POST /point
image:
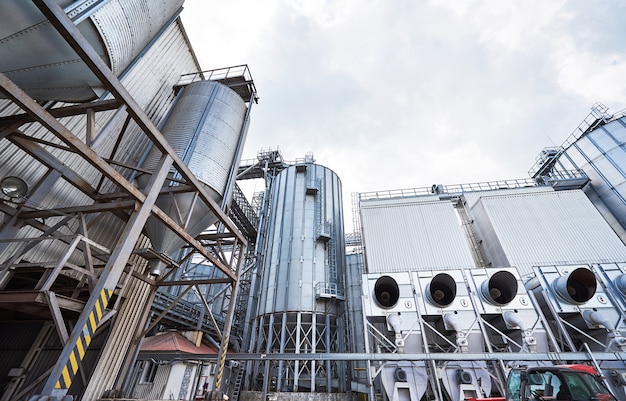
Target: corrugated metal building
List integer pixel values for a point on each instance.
(526, 229)
(74, 258)
(464, 281)
(412, 234)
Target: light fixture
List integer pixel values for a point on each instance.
(14, 187)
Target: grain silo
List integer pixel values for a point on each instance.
(206, 128)
(84, 297)
(595, 148)
(301, 284)
(37, 58)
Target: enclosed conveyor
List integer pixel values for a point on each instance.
(39, 60)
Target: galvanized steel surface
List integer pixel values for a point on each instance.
(204, 128)
(601, 154)
(150, 82)
(411, 234)
(304, 253)
(531, 229)
(39, 60)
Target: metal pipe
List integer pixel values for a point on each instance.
(514, 320)
(598, 318)
(386, 291)
(620, 283)
(500, 289)
(441, 291)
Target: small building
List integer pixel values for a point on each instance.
(168, 368)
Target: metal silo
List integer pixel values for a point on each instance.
(301, 285)
(205, 128)
(596, 147)
(37, 58)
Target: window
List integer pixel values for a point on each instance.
(150, 371)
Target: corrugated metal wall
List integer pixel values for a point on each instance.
(545, 228)
(410, 234)
(150, 82)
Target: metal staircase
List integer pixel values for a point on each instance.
(238, 382)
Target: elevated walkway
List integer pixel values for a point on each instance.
(237, 78)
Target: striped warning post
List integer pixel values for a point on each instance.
(220, 363)
(71, 367)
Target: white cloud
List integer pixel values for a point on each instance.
(406, 94)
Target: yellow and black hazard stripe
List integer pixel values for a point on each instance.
(220, 363)
(83, 341)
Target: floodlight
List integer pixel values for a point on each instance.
(14, 187)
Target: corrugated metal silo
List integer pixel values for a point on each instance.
(204, 128)
(600, 154)
(35, 56)
(299, 308)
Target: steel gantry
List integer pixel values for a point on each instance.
(90, 277)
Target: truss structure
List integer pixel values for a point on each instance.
(82, 277)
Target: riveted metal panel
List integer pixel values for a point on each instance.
(412, 234)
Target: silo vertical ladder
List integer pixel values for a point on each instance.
(238, 382)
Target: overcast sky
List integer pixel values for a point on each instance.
(402, 93)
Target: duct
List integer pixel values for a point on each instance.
(620, 283)
(577, 287)
(596, 319)
(386, 292)
(514, 320)
(499, 289)
(441, 291)
(395, 322)
(452, 322)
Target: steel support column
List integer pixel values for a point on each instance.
(64, 370)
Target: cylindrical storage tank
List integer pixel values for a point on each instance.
(302, 286)
(35, 56)
(204, 128)
(600, 154)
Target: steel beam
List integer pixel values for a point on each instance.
(72, 35)
(63, 372)
(382, 357)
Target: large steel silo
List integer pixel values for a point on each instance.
(35, 56)
(205, 128)
(301, 286)
(597, 148)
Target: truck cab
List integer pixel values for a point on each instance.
(556, 383)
